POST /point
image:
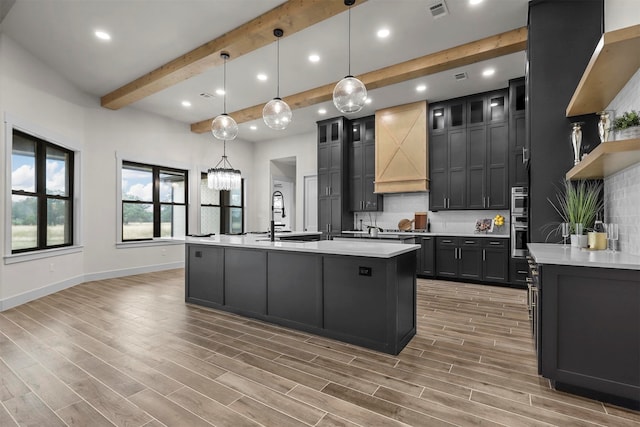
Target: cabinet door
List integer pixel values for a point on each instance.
(476, 111)
(372, 201)
(456, 114)
(427, 257)
(355, 304)
(518, 272)
(205, 281)
(245, 279)
(476, 173)
(495, 255)
(447, 257)
(498, 107)
(518, 169)
(497, 157)
(324, 214)
(356, 195)
(335, 225)
(438, 171)
(457, 156)
(470, 259)
(437, 119)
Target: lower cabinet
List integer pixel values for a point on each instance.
(426, 257)
(479, 259)
(245, 279)
(518, 272)
(204, 271)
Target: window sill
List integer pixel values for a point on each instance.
(47, 253)
(154, 242)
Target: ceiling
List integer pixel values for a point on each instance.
(147, 34)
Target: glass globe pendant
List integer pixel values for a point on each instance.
(224, 127)
(350, 94)
(277, 113)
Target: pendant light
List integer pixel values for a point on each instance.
(350, 94)
(223, 126)
(276, 113)
(223, 176)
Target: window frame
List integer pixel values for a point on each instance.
(157, 204)
(58, 141)
(224, 206)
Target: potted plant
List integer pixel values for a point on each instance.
(579, 202)
(627, 126)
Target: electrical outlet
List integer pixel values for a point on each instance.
(164, 252)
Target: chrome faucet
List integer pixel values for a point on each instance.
(273, 209)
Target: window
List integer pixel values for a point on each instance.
(221, 212)
(154, 202)
(41, 194)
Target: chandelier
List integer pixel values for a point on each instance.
(223, 176)
(223, 126)
(350, 94)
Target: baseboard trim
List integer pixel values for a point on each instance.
(16, 300)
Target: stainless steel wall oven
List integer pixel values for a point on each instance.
(519, 221)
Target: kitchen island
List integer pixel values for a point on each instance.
(586, 313)
(358, 292)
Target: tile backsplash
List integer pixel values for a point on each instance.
(404, 205)
(622, 190)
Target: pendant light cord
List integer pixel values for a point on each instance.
(349, 40)
(224, 86)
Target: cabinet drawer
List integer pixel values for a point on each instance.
(447, 242)
(495, 243)
(465, 241)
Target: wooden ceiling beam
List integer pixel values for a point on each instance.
(469, 53)
(292, 16)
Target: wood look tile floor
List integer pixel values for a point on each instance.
(130, 352)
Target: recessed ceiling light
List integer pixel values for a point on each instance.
(314, 58)
(488, 72)
(383, 33)
(102, 35)
(421, 88)
(474, 2)
(220, 92)
(186, 104)
(262, 77)
(367, 101)
(253, 127)
(322, 111)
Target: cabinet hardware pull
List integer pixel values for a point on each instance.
(488, 201)
(494, 243)
(444, 201)
(484, 255)
(446, 241)
(468, 242)
(529, 280)
(522, 272)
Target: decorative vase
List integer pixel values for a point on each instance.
(576, 141)
(579, 240)
(604, 125)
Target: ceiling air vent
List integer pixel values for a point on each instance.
(207, 95)
(438, 9)
(460, 76)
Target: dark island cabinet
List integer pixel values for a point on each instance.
(482, 259)
(362, 168)
(333, 184)
(205, 281)
(468, 153)
(246, 288)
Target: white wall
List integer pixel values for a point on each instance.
(620, 14)
(303, 148)
(33, 93)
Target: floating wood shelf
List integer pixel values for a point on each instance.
(615, 60)
(607, 159)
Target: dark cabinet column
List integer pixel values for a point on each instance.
(362, 168)
(518, 173)
(562, 36)
(497, 180)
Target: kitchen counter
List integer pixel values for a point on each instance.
(436, 234)
(330, 247)
(554, 254)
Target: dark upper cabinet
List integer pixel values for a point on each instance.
(362, 168)
(333, 183)
(469, 160)
(518, 174)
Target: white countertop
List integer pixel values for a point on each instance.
(365, 248)
(547, 253)
(437, 234)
